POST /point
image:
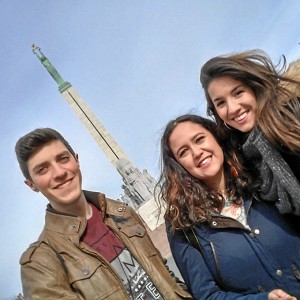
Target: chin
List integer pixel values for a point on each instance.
(69, 196)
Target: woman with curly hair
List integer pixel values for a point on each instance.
(226, 243)
(255, 105)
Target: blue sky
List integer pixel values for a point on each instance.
(136, 64)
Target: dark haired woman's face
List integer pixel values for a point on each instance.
(234, 102)
(198, 152)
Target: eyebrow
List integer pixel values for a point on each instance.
(63, 153)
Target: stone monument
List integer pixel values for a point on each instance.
(138, 187)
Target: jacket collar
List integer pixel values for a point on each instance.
(95, 198)
(70, 224)
(115, 208)
(219, 221)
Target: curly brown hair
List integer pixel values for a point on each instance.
(276, 105)
(188, 200)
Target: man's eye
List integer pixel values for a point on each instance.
(64, 159)
(41, 170)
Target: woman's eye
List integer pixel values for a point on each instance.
(199, 139)
(220, 103)
(239, 92)
(182, 153)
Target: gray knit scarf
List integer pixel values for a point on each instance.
(279, 183)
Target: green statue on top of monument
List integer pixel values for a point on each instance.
(62, 85)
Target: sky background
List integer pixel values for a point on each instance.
(135, 63)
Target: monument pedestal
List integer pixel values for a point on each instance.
(160, 241)
(153, 216)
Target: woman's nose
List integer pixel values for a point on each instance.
(197, 151)
(233, 106)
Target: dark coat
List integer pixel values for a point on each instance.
(239, 262)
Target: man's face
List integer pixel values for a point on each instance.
(56, 174)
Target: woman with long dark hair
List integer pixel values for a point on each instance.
(255, 105)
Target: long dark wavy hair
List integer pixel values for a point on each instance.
(276, 106)
(188, 200)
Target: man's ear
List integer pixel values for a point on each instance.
(77, 158)
(31, 185)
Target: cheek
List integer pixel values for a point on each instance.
(254, 103)
(251, 98)
(73, 167)
(185, 163)
(220, 155)
(41, 182)
(221, 113)
(76, 170)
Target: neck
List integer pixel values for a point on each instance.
(218, 184)
(89, 211)
(80, 208)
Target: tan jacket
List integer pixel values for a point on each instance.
(60, 266)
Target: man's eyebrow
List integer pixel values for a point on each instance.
(63, 153)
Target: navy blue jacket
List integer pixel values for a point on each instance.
(238, 262)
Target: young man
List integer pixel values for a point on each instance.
(91, 247)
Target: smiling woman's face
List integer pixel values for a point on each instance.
(198, 152)
(234, 102)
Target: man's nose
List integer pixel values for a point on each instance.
(58, 170)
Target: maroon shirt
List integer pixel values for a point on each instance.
(99, 237)
(135, 280)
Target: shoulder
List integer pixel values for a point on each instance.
(38, 251)
(108, 205)
(114, 202)
(115, 207)
(177, 237)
